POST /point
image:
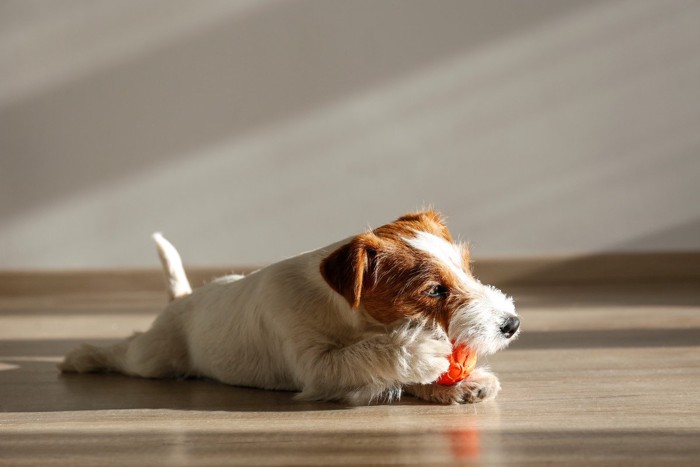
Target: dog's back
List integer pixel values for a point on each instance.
(234, 329)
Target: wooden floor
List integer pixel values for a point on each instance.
(600, 375)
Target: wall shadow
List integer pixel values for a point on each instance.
(682, 235)
(245, 73)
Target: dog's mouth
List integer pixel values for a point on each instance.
(487, 323)
(485, 338)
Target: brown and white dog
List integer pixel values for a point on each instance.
(360, 321)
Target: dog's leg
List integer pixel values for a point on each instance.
(481, 385)
(375, 368)
(90, 359)
(160, 352)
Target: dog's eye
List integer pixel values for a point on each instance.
(437, 291)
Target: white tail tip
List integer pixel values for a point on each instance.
(176, 279)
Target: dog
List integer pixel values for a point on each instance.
(360, 321)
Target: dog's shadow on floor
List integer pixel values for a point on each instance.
(31, 382)
(123, 392)
(39, 387)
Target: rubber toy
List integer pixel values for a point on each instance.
(462, 362)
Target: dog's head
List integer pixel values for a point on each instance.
(412, 269)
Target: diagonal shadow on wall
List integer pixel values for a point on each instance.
(246, 73)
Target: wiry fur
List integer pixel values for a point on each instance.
(349, 322)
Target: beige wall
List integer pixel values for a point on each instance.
(249, 131)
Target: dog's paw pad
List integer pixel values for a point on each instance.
(480, 386)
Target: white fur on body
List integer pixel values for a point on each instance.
(283, 327)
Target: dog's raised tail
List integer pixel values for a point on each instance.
(175, 277)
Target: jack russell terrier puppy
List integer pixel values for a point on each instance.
(359, 321)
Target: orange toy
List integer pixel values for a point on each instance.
(462, 362)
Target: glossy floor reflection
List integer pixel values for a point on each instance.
(597, 377)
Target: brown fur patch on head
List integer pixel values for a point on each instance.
(426, 221)
(391, 279)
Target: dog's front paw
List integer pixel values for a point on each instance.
(422, 354)
(481, 385)
(438, 393)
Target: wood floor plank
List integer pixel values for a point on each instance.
(599, 376)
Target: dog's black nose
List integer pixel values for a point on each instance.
(510, 327)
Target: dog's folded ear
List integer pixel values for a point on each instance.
(346, 269)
